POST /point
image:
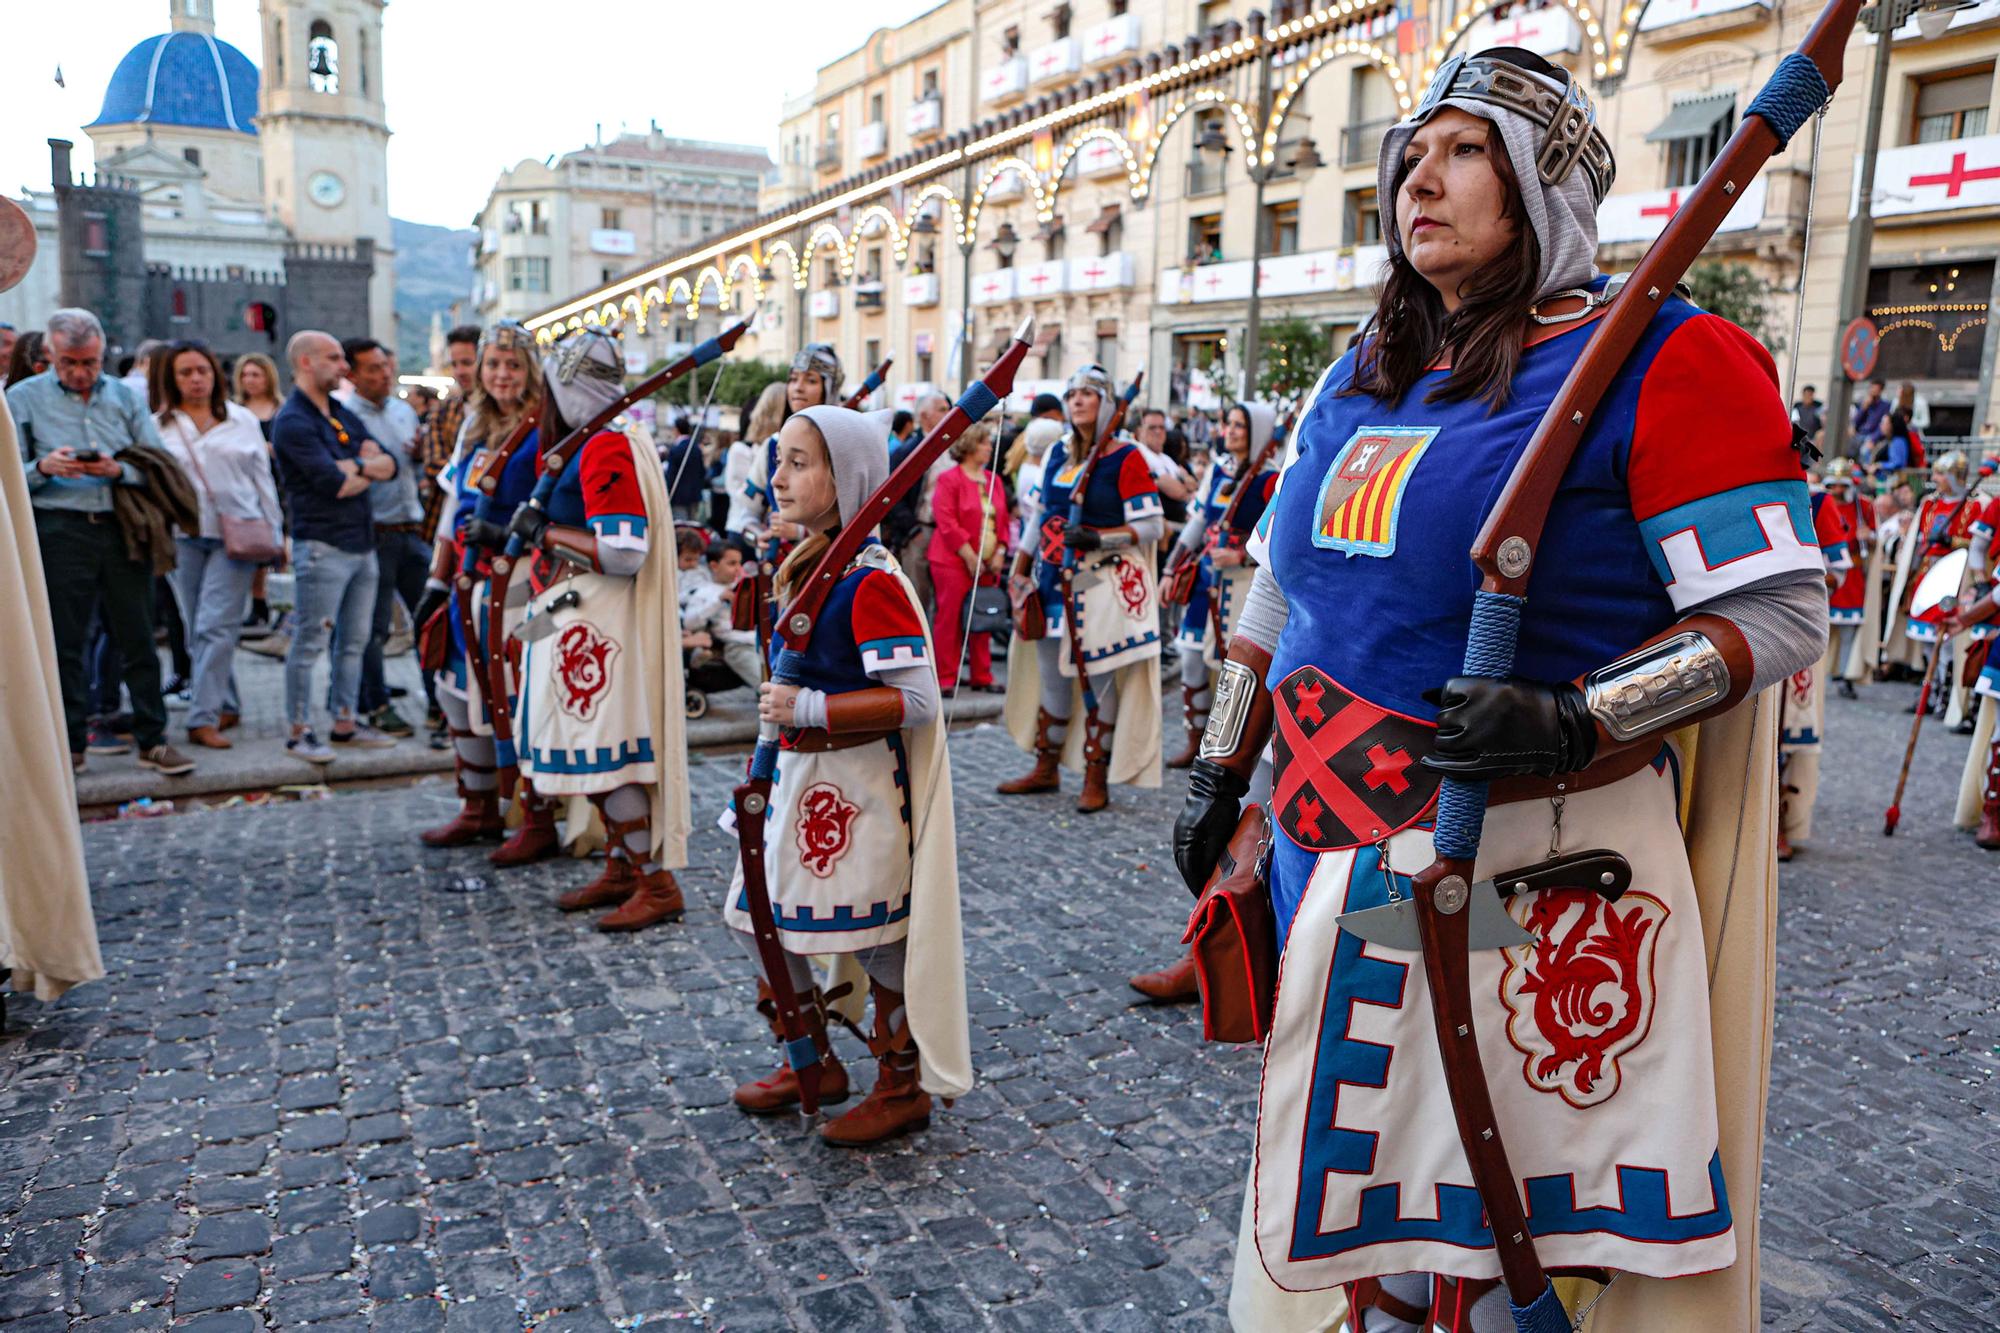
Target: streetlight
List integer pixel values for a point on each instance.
(1881, 18)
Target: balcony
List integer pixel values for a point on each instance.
(868, 294)
(1205, 178)
(1111, 39)
(823, 305)
(1049, 278)
(920, 289)
(871, 140)
(1058, 60)
(828, 158)
(1546, 32)
(1004, 81)
(995, 287)
(1642, 215)
(925, 117)
(611, 241)
(1101, 273)
(1283, 275)
(1361, 143)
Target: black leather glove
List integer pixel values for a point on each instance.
(432, 602)
(529, 524)
(1079, 538)
(485, 534)
(1214, 806)
(1490, 728)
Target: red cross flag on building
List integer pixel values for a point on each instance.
(1935, 177)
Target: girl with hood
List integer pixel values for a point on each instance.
(1116, 600)
(860, 854)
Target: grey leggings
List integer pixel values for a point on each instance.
(883, 964)
(1056, 686)
(476, 754)
(626, 804)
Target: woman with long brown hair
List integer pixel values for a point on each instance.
(218, 445)
(508, 393)
(1677, 577)
(253, 382)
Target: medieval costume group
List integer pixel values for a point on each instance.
(1619, 1018)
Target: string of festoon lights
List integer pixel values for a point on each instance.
(1002, 159)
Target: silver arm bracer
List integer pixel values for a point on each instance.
(1228, 710)
(1651, 689)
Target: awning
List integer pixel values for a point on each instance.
(1695, 118)
(1104, 220)
(1052, 228)
(1047, 334)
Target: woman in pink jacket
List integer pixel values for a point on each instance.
(970, 508)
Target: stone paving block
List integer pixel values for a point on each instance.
(394, 1274)
(217, 1283)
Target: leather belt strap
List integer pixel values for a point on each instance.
(1613, 768)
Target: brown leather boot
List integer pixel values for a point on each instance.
(657, 899)
(618, 882)
(779, 1090)
(1046, 775)
(536, 839)
(1170, 985)
(478, 817)
(1196, 724)
(210, 738)
(1096, 768)
(1989, 812)
(896, 1105)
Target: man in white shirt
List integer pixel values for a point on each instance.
(402, 556)
(705, 614)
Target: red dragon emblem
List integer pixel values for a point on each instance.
(1802, 687)
(583, 669)
(1582, 995)
(1131, 587)
(825, 818)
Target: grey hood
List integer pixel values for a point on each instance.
(857, 447)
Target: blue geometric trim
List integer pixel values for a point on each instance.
(1124, 645)
(619, 525)
(603, 759)
(843, 918)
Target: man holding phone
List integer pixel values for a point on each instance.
(73, 420)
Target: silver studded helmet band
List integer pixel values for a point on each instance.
(1570, 137)
(820, 359)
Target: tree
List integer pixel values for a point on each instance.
(1739, 295)
(1295, 351)
(741, 382)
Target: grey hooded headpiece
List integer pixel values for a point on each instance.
(823, 361)
(1098, 380)
(1558, 154)
(586, 373)
(1263, 421)
(857, 449)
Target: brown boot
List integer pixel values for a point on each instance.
(896, 1105)
(210, 738)
(1096, 768)
(1197, 723)
(227, 721)
(779, 1090)
(657, 899)
(536, 839)
(1170, 985)
(1989, 812)
(478, 818)
(1046, 775)
(618, 882)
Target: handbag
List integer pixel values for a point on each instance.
(434, 640)
(1180, 581)
(1031, 622)
(252, 540)
(1235, 938)
(992, 610)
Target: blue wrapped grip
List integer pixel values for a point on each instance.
(707, 351)
(978, 400)
(802, 1055)
(1489, 651)
(1797, 89)
(764, 762)
(1544, 1315)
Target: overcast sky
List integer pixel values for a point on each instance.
(472, 89)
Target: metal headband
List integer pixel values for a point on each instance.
(1092, 377)
(821, 359)
(1570, 137)
(509, 336)
(1649, 690)
(573, 357)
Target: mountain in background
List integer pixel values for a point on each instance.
(433, 270)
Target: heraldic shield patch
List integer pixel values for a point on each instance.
(1347, 771)
(1361, 499)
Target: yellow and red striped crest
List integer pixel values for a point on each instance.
(1362, 497)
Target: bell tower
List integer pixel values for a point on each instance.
(325, 133)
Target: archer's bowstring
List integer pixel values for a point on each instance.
(1805, 252)
(694, 439)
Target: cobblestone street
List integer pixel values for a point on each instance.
(337, 1080)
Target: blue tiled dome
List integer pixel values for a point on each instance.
(183, 78)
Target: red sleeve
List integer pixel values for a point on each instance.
(613, 503)
(1134, 477)
(1000, 515)
(1716, 487)
(887, 628)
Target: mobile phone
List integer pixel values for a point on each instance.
(89, 455)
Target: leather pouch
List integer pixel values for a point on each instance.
(1235, 938)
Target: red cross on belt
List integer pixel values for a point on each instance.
(1313, 755)
(1386, 769)
(1956, 178)
(1666, 210)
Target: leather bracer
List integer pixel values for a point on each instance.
(576, 546)
(878, 708)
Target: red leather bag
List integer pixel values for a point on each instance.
(1031, 623)
(1235, 938)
